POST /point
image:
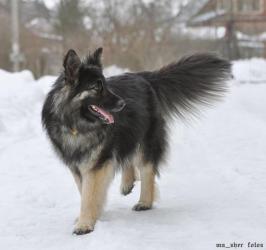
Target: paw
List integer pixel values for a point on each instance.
(126, 189)
(141, 206)
(83, 228)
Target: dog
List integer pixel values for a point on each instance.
(99, 125)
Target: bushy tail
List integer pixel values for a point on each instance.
(193, 80)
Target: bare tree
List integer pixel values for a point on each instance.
(69, 22)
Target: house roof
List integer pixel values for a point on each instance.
(207, 16)
(191, 9)
(28, 10)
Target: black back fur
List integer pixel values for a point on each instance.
(133, 106)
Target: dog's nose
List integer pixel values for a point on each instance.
(119, 106)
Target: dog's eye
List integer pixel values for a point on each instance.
(97, 86)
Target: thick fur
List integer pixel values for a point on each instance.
(182, 86)
(140, 103)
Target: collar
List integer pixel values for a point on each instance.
(73, 131)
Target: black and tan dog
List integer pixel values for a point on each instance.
(98, 124)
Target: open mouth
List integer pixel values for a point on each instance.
(102, 114)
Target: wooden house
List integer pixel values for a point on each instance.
(243, 20)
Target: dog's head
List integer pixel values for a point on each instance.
(88, 88)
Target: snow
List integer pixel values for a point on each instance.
(251, 44)
(113, 70)
(212, 188)
(51, 3)
(255, 38)
(190, 9)
(40, 25)
(219, 32)
(202, 32)
(207, 16)
(250, 70)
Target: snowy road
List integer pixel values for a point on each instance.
(212, 189)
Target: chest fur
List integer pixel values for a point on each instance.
(75, 148)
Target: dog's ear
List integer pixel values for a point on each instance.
(71, 64)
(97, 57)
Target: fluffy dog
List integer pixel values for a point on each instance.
(98, 125)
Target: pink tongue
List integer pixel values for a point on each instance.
(107, 115)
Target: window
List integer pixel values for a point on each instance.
(249, 5)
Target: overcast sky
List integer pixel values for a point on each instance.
(51, 3)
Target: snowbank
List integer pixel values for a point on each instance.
(113, 70)
(19, 97)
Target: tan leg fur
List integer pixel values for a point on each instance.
(77, 179)
(93, 193)
(127, 180)
(147, 178)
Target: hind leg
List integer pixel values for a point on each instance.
(127, 180)
(153, 149)
(147, 178)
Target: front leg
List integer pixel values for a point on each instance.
(77, 177)
(93, 193)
